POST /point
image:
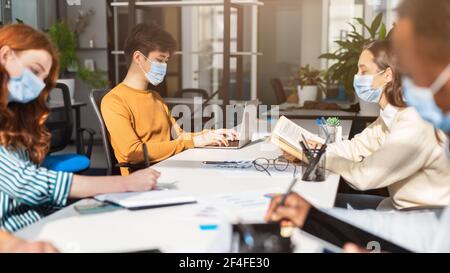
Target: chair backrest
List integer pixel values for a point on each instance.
(191, 93)
(95, 98)
(278, 88)
(60, 122)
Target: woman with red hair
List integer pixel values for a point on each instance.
(28, 192)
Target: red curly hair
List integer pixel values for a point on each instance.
(22, 126)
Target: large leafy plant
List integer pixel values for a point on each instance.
(347, 56)
(66, 42)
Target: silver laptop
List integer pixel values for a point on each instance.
(245, 129)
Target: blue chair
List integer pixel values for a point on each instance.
(60, 124)
(73, 163)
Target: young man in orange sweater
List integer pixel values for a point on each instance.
(135, 115)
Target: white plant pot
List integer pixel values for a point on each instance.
(56, 97)
(307, 93)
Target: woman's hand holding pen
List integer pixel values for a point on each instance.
(142, 180)
(16, 245)
(292, 213)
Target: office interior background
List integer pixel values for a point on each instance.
(269, 41)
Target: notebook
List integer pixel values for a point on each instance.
(150, 199)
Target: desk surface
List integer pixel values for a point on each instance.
(176, 229)
(368, 111)
(190, 101)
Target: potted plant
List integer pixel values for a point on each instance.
(66, 42)
(309, 82)
(346, 57)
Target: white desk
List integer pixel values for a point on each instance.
(292, 111)
(175, 229)
(191, 101)
(369, 112)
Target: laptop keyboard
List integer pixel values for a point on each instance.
(231, 143)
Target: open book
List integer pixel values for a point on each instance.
(287, 136)
(149, 199)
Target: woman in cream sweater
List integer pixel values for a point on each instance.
(399, 150)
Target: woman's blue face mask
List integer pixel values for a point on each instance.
(26, 87)
(363, 85)
(422, 99)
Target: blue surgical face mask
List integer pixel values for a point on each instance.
(157, 71)
(422, 99)
(25, 88)
(363, 85)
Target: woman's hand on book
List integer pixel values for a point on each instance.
(291, 158)
(314, 145)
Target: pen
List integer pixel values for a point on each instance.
(324, 122)
(324, 126)
(288, 192)
(213, 162)
(313, 163)
(219, 162)
(146, 160)
(306, 142)
(305, 150)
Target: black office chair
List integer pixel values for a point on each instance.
(60, 125)
(278, 88)
(192, 93)
(113, 167)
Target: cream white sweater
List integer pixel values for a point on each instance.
(405, 156)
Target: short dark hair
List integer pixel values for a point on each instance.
(384, 58)
(431, 21)
(147, 38)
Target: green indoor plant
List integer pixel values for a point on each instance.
(309, 76)
(309, 82)
(66, 42)
(346, 57)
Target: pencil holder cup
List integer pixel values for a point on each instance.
(335, 133)
(318, 174)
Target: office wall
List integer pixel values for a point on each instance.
(96, 30)
(311, 32)
(37, 13)
(25, 10)
(290, 34)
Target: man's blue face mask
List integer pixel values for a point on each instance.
(157, 71)
(26, 87)
(422, 99)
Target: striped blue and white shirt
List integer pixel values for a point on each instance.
(28, 192)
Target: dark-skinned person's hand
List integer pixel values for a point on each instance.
(292, 214)
(353, 248)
